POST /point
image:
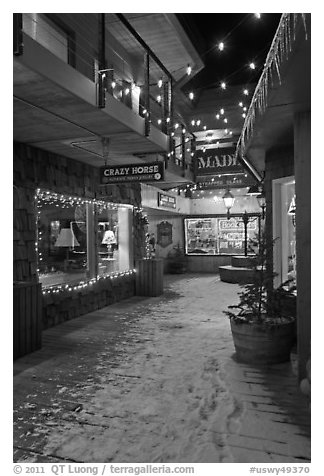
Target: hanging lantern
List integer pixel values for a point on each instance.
(262, 203)
(228, 201)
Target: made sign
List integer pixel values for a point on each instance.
(217, 161)
(166, 200)
(148, 172)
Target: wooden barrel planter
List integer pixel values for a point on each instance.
(258, 344)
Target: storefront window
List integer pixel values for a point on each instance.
(214, 236)
(79, 240)
(284, 210)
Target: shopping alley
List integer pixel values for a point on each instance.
(162, 237)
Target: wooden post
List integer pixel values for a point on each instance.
(302, 159)
(149, 277)
(27, 318)
(147, 93)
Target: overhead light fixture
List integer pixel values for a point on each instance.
(255, 189)
(262, 203)
(228, 201)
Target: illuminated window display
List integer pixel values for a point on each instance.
(215, 236)
(79, 240)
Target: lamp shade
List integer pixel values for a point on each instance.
(228, 199)
(109, 238)
(66, 238)
(292, 206)
(261, 200)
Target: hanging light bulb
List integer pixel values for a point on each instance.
(189, 69)
(223, 85)
(244, 109)
(252, 65)
(183, 131)
(257, 15)
(198, 122)
(159, 121)
(222, 111)
(176, 125)
(205, 127)
(225, 120)
(193, 122)
(240, 104)
(246, 92)
(158, 98)
(160, 82)
(221, 46)
(127, 91)
(113, 84)
(217, 116)
(191, 95)
(244, 115)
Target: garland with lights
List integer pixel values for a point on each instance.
(279, 51)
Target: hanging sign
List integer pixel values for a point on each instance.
(224, 181)
(141, 172)
(217, 161)
(166, 201)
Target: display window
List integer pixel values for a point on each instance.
(218, 235)
(78, 240)
(284, 232)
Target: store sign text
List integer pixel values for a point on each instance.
(151, 172)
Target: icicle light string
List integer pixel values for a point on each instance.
(281, 46)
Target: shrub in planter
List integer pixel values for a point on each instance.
(177, 261)
(263, 323)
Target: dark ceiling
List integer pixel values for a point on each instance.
(246, 38)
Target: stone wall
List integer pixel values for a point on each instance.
(35, 168)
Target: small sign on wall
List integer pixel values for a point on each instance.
(164, 234)
(141, 172)
(167, 201)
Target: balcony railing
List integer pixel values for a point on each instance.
(107, 50)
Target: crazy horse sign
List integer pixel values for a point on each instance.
(217, 161)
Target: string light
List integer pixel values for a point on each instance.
(222, 111)
(158, 98)
(225, 120)
(244, 115)
(198, 122)
(193, 122)
(176, 126)
(240, 104)
(217, 116)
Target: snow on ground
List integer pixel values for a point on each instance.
(163, 402)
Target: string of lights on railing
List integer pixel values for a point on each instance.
(280, 48)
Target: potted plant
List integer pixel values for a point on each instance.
(263, 323)
(177, 261)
